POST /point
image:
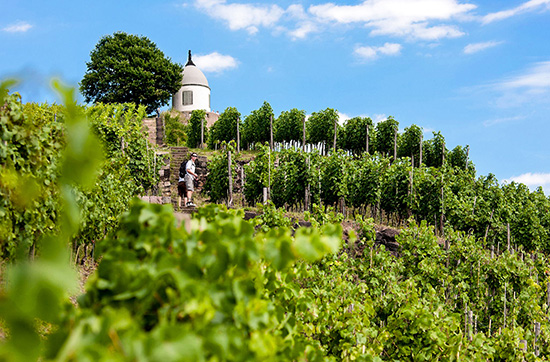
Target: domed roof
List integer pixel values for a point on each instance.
(193, 75)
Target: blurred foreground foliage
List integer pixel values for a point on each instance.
(34, 160)
(226, 289)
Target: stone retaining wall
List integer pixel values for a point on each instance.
(155, 130)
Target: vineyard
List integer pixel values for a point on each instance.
(470, 280)
(447, 197)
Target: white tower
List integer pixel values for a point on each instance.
(194, 92)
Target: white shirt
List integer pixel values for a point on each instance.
(190, 166)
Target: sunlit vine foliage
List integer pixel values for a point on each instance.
(33, 137)
(449, 196)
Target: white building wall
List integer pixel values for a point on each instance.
(201, 98)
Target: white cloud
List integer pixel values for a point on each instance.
(19, 27)
(532, 86)
(342, 118)
(215, 62)
(477, 47)
(242, 16)
(398, 17)
(428, 131)
(492, 122)
(371, 53)
(537, 79)
(303, 30)
(377, 118)
(402, 10)
(533, 180)
(304, 24)
(530, 5)
(414, 19)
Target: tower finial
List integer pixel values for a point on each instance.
(189, 61)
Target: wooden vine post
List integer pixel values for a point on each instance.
(471, 324)
(230, 193)
(489, 225)
(265, 195)
(307, 190)
(304, 135)
(271, 132)
(395, 146)
(442, 218)
(122, 145)
(523, 345)
(505, 305)
(410, 190)
(420, 160)
(466, 331)
(508, 237)
(202, 132)
(335, 130)
(241, 169)
(367, 139)
(238, 135)
(147, 156)
(269, 175)
(537, 334)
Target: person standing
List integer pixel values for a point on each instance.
(189, 177)
(182, 190)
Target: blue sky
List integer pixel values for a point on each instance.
(478, 71)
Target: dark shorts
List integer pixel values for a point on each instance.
(181, 188)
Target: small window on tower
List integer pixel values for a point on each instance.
(187, 98)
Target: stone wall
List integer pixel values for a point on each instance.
(211, 118)
(155, 130)
(165, 183)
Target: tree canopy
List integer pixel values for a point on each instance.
(126, 68)
(256, 126)
(289, 126)
(409, 143)
(194, 128)
(434, 150)
(353, 136)
(225, 128)
(385, 136)
(320, 126)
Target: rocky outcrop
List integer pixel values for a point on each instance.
(386, 237)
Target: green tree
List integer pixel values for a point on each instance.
(320, 126)
(458, 157)
(225, 128)
(257, 125)
(433, 150)
(125, 68)
(333, 170)
(175, 130)
(409, 143)
(385, 136)
(289, 125)
(194, 128)
(257, 174)
(217, 183)
(290, 178)
(353, 136)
